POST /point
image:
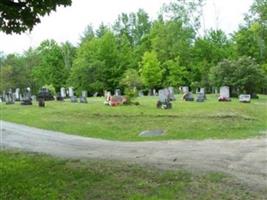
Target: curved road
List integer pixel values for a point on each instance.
(244, 159)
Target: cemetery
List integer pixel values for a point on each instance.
(176, 117)
(165, 102)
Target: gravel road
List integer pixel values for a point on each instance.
(244, 159)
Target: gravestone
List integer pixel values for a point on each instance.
(4, 96)
(26, 99)
(45, 94)
(84, 93)
(244, 98)
(188, 96)
(95, 94)
(9, 98)
(164, 99)
(63, 92)
(140, 93)
(224, 94)
(200, 97)
(73, 99)
(202, 90)
(83, 98)
(171, 92)
(41, 102)
(151, 133)
(154, 92)
(59, 97)
(17, 94)
(117, 92)
(185, 89)
(71, 92)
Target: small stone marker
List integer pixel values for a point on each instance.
(17, 94)
(185, 89)
(151, 133)
(27, 98)
(95, 94)
(83, 99)
(62, 92)
(117, 92)
(140, 93)
(41, 102)
(200, 97)
(188, 96)
(71, 92)
(9, 98)
(171, 92)
(245, 98)
(73, 99)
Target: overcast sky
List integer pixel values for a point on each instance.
(67, 24)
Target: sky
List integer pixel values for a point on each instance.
(68, 23)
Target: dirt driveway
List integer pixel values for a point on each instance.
(244, 159)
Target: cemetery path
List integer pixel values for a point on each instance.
(245, 159)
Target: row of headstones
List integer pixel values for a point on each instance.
(10, 97)
(167, 95)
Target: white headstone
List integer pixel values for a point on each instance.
(17, 94)
(225, 92)
(62, 92)
(84, 93)
(117, 92)
(185, 89)
(71, 92)
(245, 98)
(202, 90)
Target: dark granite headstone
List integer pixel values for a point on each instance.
(83, 99)
(41, 102)
(188, 96)
(200, 97)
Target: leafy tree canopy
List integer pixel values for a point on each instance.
(18, 16)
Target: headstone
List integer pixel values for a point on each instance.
(17, 94)
(245, 98)
(59, 97)
(116, 100)
(95, 94)
(151, 133)
(200, 97)
(224, 93)
(9, 98)
(73, 99)
(188, 96)
(117, 92)
(171, 92)
(155, 92)
(84, 93)
(45, 94)
(185, 89)
(140, 93)
(71, 92)
(164, 99)
(26, 99)
(62, 92)
(202, 90)
(33, 98)
(41, 102)
(83, 99)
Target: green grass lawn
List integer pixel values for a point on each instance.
(187, 120)
(33, 176)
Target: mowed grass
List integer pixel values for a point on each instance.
(187, 120)
(33, 176)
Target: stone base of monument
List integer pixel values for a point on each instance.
(164, 105)
(60, 98)
(83, 100)
(224, 99)
(26, 102)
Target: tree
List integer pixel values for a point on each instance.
(244, 75)
(131, 81)
(151, 73)
(173, 73)
(22, 15)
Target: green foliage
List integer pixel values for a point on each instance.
(151, 72)
(243, 74)
(51, 88)
(20, 16)
(131, 81)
